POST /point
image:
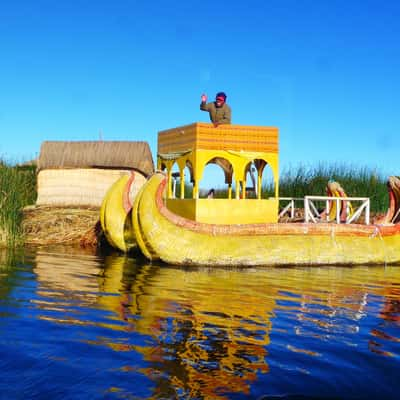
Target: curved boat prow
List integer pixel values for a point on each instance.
(334, 189)
(115, 214)
(393, 213)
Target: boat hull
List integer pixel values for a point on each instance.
(175, 240)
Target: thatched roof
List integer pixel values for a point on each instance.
(96, 154)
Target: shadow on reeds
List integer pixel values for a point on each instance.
(17, 189)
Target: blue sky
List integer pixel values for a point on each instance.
(326, 72)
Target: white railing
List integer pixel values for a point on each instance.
(311, 213)
(289, 208)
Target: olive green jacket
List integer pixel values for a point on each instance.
(220, 115)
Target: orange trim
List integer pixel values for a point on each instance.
(126, 202)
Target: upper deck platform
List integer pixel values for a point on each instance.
(204, 136)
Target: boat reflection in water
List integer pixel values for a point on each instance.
(210, 333)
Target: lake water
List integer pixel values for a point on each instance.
(78, 325)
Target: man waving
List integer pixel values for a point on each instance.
(220, 112)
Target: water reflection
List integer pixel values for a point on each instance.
(211, 333)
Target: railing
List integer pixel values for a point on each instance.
(290, 206)
(311, 213)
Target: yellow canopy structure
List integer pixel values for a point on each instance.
(235, 148)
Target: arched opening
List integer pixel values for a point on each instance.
(251, 180)
(266, 176)
(175, 181)
(217, 179)
(188, 180)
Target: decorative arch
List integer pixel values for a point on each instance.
(223, 165)
(256, 170)
(189, 166)
(226, 166)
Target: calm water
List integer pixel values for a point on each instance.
(74, 325)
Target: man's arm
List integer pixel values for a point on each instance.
(204, 106)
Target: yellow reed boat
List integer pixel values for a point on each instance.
(243, 229)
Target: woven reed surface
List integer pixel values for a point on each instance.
(52, 225)
(96, 154)
(224, 137)
(78, 187)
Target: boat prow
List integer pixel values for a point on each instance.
(115, 214)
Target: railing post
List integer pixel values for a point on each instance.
(306, 209)
(337, 211)
(327, 208)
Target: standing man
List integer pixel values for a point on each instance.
(220, 112)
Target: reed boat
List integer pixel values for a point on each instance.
(243, 229)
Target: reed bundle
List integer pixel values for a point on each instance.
(78, 187)
(54, 225)
(80, 173)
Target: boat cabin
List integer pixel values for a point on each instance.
(239, 150)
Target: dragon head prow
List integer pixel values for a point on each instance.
(393, 213)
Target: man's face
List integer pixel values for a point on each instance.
(219, 101)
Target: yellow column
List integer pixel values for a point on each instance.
(244, 180)
(182, 178)
(169, 184)
(229, 191)
(195, 190)
(237, 194)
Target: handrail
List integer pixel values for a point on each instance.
(289, 206)
(311, 212)
(308, 204)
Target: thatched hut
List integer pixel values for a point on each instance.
(80, 173)
(72, 180)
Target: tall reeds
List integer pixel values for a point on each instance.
(356, 181)
(17, 189)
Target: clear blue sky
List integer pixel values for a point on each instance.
(326, 72)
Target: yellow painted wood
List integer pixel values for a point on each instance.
(204, 136)
(226, 211)
(268, 209)
(199, 144)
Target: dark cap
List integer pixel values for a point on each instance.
(222, 95)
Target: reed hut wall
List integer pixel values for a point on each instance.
(80, 173)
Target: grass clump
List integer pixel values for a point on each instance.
(17, 189)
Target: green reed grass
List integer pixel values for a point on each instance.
(356, 181)
(17, 189)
